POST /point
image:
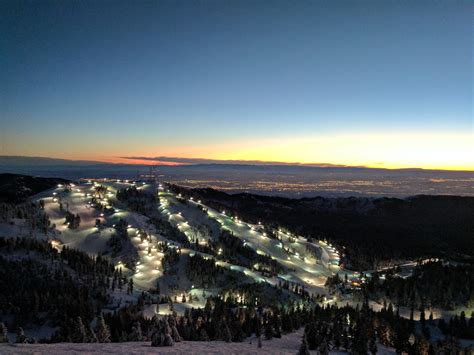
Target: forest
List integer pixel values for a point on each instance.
(74, 293)
(16, 188)
(433, 284)
(43, 286)
(374, 231)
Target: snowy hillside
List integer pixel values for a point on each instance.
(299, 262)
(139, 263)
(288, 344)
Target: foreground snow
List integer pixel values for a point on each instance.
(288, 344)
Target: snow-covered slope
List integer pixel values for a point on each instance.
(196, 221)
(288, 344)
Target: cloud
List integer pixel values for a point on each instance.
(196, 161)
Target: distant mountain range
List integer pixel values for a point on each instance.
(201, 161)
(265, 178)
(16, 161)
(27, 161)
(12, 161)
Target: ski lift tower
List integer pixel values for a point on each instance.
(151, 175)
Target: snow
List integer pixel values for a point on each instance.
(287, 344)
(310, 272)
(299, 265)
(87, 237)
(18, 228)
(194, 223)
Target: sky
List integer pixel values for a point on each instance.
(373, 83)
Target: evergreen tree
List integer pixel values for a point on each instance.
(451, 346)
(102, 331)
(136, 334)
(311, 336)
(426, 333)
(400, 341)
(277, 326)
(92, 337)
(359, 343)
(174, 331)
(203, 336)
(20, 336)
(304, 347)
(390, 309)
(421, 346)
(123, 337)
(346, 343)
(226, 334)
(422, 317)
(412, 321)
(3, 333)
(431, 318)
(337, 338)
(162, 333)
(373, 344)
(323, 347)
(268, 330)
(237, 331)
(130, 286)
(78, 334)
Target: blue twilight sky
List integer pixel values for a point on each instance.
(152, 77)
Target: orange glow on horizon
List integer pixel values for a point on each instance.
(439, 151)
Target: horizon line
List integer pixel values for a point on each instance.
(183, 161)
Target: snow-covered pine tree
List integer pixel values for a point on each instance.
(203, 336)
(268, 330)
(136, 334)
(227, 333)
(152, 328)
(3, 333)
(162, 334)
(123, 337)
(20, 336)
(79, 334)
(323, 347)
(174, 330)
(102, 331)
(92, 336)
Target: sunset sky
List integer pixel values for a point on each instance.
(373, 83)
